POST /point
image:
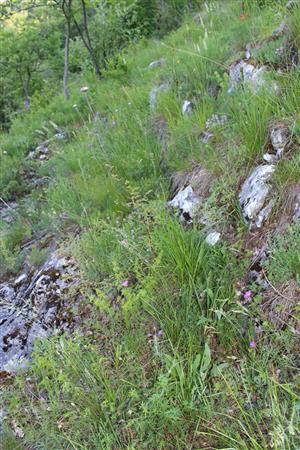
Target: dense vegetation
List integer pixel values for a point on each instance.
(173, 349)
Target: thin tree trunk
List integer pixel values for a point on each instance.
(66, 61)
(67, 13)
(92, 53)
(26, 94)
(86, 39)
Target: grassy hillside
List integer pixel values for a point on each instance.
(175, 345)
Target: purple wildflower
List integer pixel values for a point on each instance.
(248, 295)
(252, 344)
(125, 283)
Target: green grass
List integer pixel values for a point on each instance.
(162, 361)
(284, 262)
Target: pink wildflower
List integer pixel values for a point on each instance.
(248, 295)
(252, 344)
(125, 283)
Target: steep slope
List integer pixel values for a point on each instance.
(150, 237)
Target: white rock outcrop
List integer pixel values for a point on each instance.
(254, 194)
(250, 75)
(187, 107)
(185, 202)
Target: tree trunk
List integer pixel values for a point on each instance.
(88, 39)
(85, 36)
(66, 61)
(67, 13)
(26, 94)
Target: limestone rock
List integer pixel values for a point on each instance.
(21, 279)
(158, 63)
(212, 238)
(269, 158)
(254, 194)
(206, 136)
(189, 189)
(248, 52)
(7, 294)
(164, 87)
(296, 213)
(187, 107)
(264, 214)
(60, 136)
(279, 137)
(34, 307)
(250, 75)
(185, 202)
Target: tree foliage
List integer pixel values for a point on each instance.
(44, 41)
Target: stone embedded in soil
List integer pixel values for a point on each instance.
(158, 63)
(213, 121)
(185, 202)
(164, 87)
(7, 294)
(254, 194)
(187, 107)
(279, 137)
(248, 52)
(212, 238)
(296, 212)
(189, 189)
(206, 136)
(250, 75)
(21, 279)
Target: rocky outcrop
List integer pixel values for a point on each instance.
(185, 203)
(189, 192)
(250, 75)
(34, 306)
(189, 189)
(256, 198)
(254, 194)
